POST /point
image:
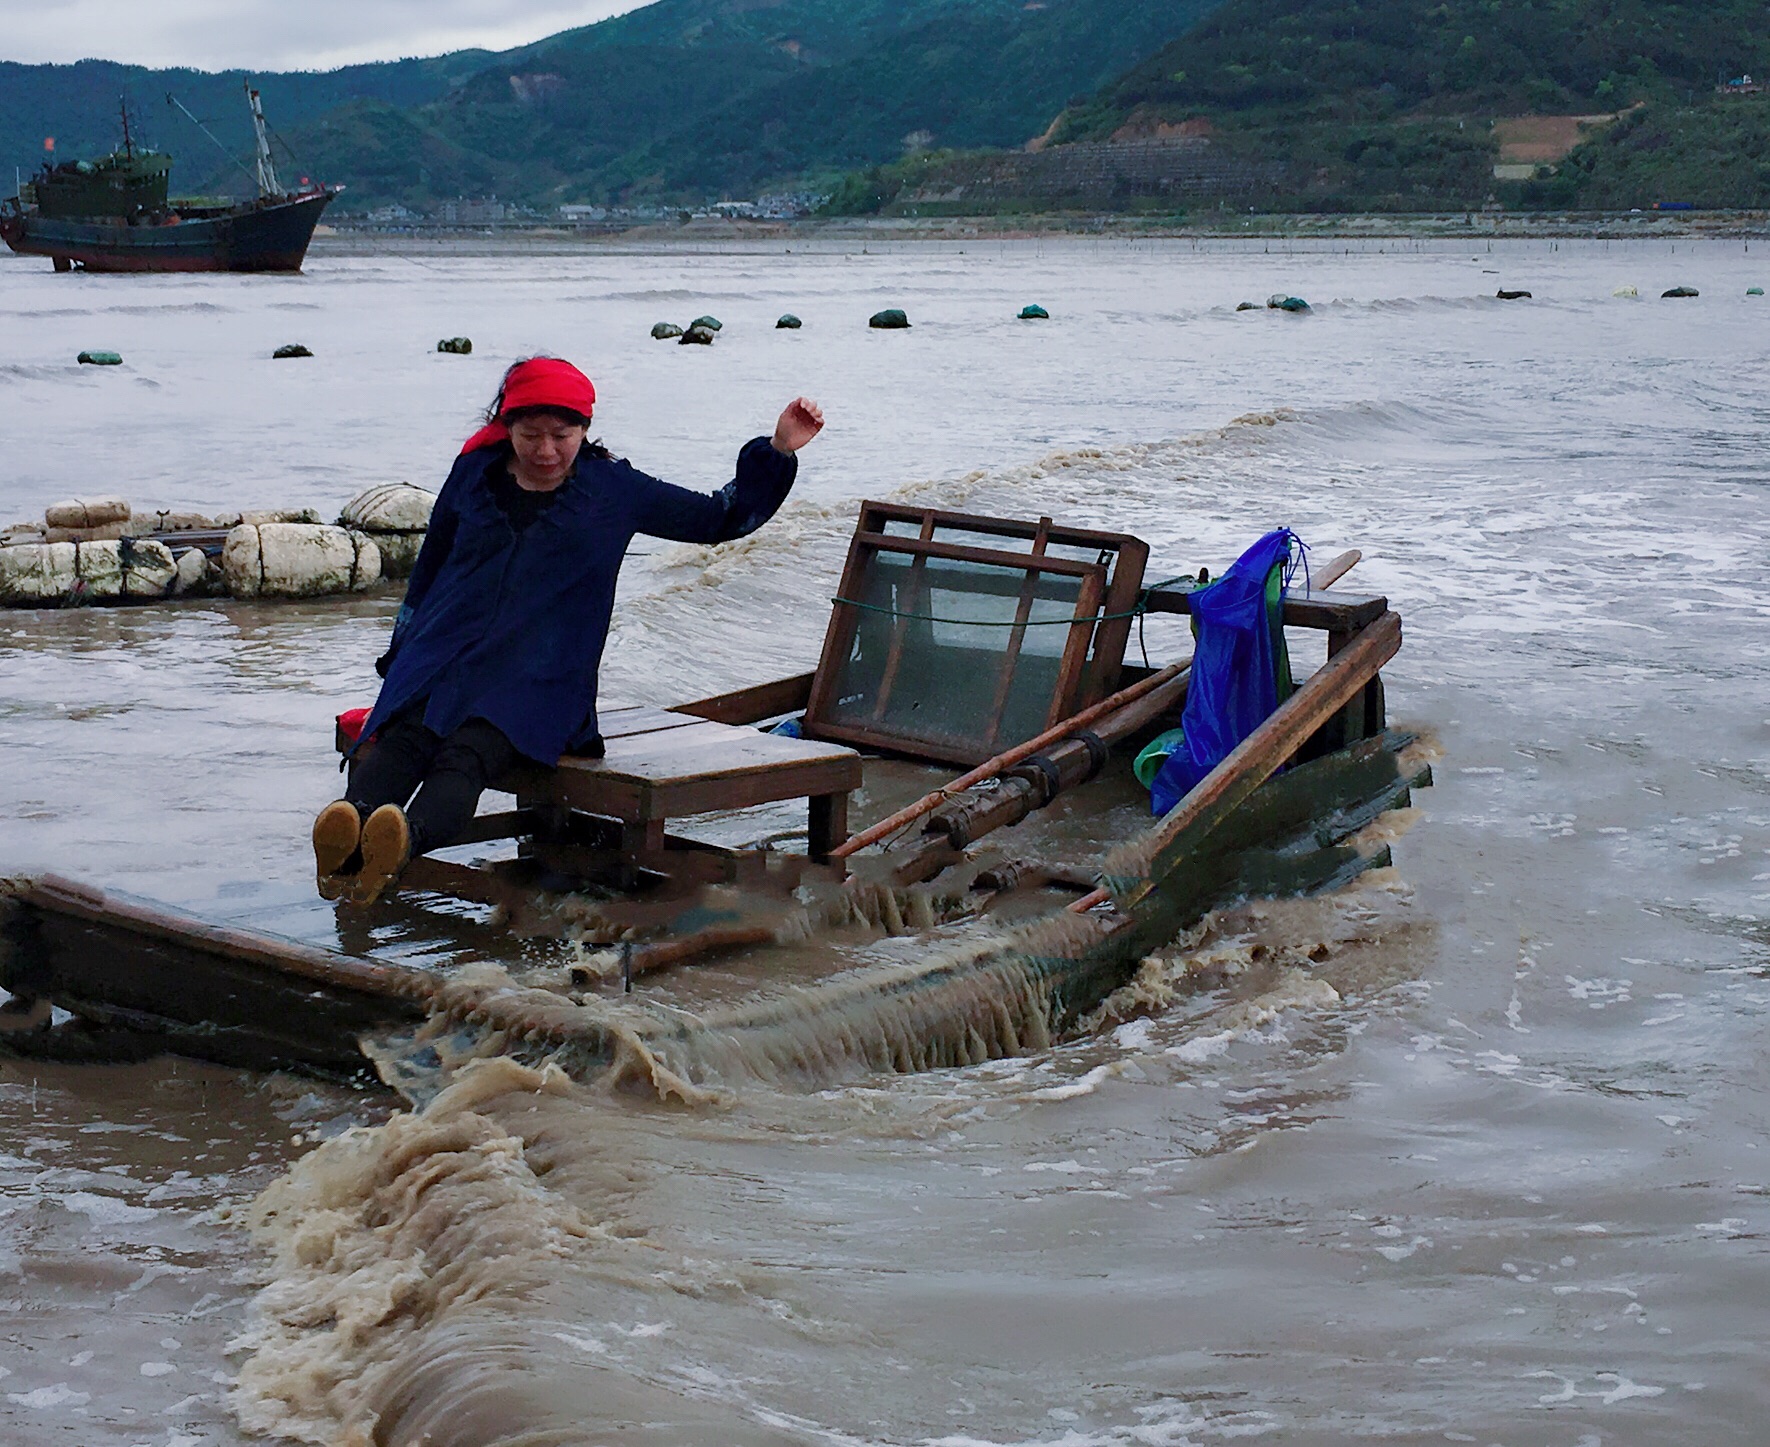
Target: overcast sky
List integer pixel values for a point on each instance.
(279, 34)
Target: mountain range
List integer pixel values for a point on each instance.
(1325, 104)
(679, 100)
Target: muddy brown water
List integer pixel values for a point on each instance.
(1473, 1152)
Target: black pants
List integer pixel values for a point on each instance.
(449, 774)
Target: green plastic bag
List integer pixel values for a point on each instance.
(1155, 754)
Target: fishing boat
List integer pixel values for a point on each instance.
(115, 214)
(614, 919)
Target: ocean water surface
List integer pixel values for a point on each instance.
(1473, 1152)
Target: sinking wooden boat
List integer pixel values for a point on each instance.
(980, 917)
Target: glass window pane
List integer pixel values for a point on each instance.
(929, 660)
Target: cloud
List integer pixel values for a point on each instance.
(277, 35)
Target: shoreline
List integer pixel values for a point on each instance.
(1439, 226)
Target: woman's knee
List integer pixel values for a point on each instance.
(477, 749)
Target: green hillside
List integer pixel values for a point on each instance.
(1388, 103)
(77, 104)
(1714, 155)
(1350, 59)
(680, 101)
(1319, 105)
(692, 99)
(972, 76)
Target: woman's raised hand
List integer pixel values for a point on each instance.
(802, 420)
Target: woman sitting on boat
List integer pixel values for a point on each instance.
(496, 648)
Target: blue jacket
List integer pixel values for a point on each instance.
(509, 625)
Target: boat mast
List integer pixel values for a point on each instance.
(128, 143)
(267, 171)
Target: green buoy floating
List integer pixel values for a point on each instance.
(712, 324)
(663, 331)
(1680, 291)
(99, 359)
(1754, 291)
(291, 349)
(892, 319)
(1034, 313)
(1278, 301)
(697, 335)
(456, 346)
(788, 322)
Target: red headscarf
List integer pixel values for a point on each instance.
(538, 382)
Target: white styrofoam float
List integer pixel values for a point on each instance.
(298, 560)
(87, 512)
(115, 570)
(395, 515)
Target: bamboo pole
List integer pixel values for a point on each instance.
(1336, 569)
(1008, 758)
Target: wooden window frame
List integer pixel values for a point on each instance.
(1092, 653)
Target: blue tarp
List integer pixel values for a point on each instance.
(1234, 668)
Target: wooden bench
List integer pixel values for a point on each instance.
(664, 765)
(586, 817)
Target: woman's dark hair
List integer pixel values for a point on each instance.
(496, 412)
(519, 414)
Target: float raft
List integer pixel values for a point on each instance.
(955, 640)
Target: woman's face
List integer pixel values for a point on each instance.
(546, 448)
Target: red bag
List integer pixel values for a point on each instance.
(351, 721)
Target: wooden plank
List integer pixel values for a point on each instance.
(1065, 697)
(753, 704)
(148, 978)
(462, 881)
(56, 895)
(839, 636)
(911, 602)
(677, 860)
(683, 797)
(623, 799)
(629, 723)
(828, 817)
(626, 754)
(1005, 527)
(985, 557)
(833, 759)
(1016, 638)
(509, 824)
(1111, 637)
(644, 836)
(1334, 612)
(929, 802)
(703, 767)
(639, 801)
(708, 750)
